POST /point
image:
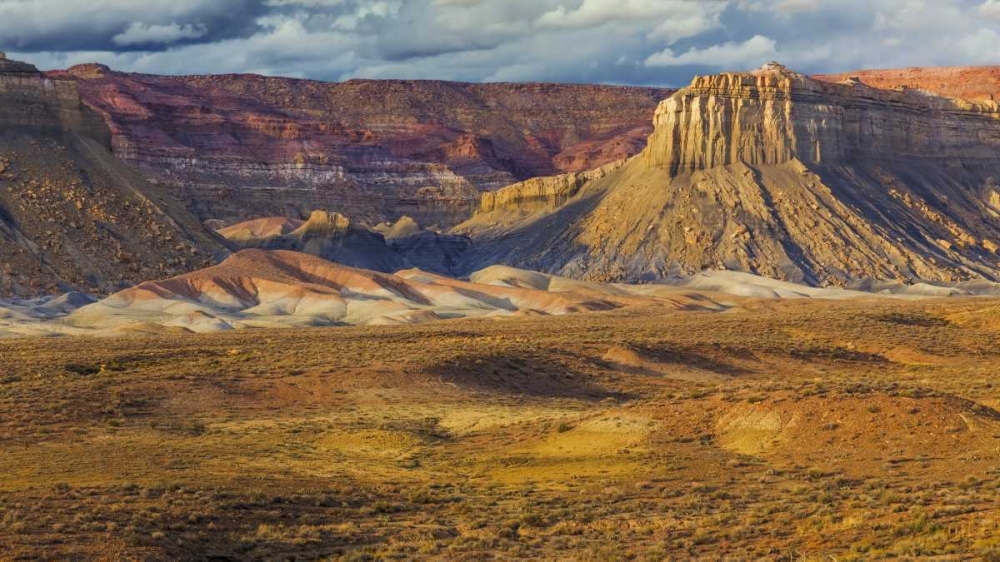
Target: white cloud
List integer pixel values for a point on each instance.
(659, 42)
(143, 33)
(980, 47)
(689, 20)
(735, 56)
(796, 5)
(671, 19)
(990, 9)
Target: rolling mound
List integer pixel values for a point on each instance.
(257, 288)
(871, 431)
(252, 231)
(775, 174)
(280, 288)
(331, 236)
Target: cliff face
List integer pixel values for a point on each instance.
(31, 102)
(975, 83)
(237, 146)
(71, 215)
(775, 116)
(777, 174)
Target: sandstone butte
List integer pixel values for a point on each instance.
(773, 173)
(236, 147)
(71, 214)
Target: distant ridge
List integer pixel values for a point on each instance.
(975, 83)
(238, 146)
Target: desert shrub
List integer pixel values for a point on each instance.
(83, 369)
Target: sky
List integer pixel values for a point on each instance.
(642, 42)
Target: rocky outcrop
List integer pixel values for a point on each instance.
(976, 83)
(542, 193)
(238, 146)
(332, 236)
(777, 174)
(71, 215)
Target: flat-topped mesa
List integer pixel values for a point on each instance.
(773, 115)
(30, 100)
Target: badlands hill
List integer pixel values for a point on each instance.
(775, 174)
(72, 216)
(238, 146)
(331, 236)
(257, 288)
(260, 288)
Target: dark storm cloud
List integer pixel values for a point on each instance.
(661, 42)
(123, 25)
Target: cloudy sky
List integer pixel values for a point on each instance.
(655, 42)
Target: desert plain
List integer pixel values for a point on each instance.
(779, 429)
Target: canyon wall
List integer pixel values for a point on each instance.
(241, 146)
(31, 101)
(777, 174)
(71, 215)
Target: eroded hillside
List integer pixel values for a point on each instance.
(780, 175)
(71, 215)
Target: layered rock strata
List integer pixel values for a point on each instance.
(546, 192)
(238, 146)
(777, 174)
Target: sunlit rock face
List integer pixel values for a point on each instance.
(773, 115)
(773, 173)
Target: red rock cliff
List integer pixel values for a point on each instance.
(236, 146)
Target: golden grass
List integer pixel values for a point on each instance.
(787, 429)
